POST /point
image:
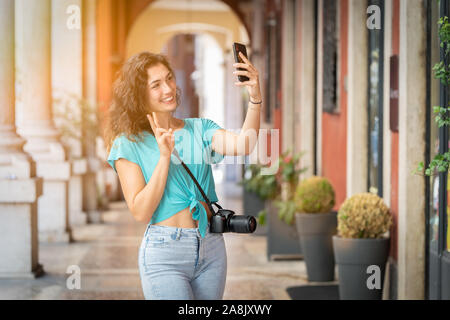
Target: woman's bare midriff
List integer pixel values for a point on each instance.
(183, 219)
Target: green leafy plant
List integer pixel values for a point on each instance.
(76, 117)
(262, 217)
(441, 161)
(286, 210)
(288, 177)
(314, 195)
(265, 186)
(269, 187)
(288, 167)
(363, 215)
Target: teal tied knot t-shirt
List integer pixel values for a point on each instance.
(193, 143)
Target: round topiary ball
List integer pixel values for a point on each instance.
(363, 215)
(314, 195)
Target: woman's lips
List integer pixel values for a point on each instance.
(168, 100)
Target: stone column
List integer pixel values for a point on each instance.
(68, 105)
(357, 99)
(33, 21)
(90, 190)
(19, 187)
(288, 121)
(319, 86)
(305, 82)
(412, 103)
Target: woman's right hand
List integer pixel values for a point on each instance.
(165, 138)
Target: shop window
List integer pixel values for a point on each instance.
(375, 104)
(330, 32)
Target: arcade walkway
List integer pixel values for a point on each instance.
(107, 256)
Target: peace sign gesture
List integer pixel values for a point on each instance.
(165, 138)
(250, 71)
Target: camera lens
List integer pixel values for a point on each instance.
(242, 224)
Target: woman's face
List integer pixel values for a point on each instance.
(162, 89)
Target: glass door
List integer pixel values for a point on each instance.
(375, 104)
(437, 235)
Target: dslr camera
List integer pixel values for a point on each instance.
(227, 221)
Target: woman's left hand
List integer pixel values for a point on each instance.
(250, 71)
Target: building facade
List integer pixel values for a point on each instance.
(350, 82)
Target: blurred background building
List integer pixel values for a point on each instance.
(349, 82)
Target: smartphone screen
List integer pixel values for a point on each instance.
(239, 47)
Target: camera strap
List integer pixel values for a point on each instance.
(175, 152)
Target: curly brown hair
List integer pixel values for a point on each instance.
(130, 98)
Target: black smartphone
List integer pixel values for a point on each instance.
(239, 47)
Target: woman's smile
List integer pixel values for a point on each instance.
(169, 100)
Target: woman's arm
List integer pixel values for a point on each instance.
(142, 199)
(230, 144)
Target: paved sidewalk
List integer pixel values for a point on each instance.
(107, 256)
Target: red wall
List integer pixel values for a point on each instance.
(334, 126)
(394, 136)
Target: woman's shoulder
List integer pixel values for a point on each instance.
(124, 139)
(204, 122)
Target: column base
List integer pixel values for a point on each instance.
(94, 216)
(77, 218)
(55, 236)
(38, 271)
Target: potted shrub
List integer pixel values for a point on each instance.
(316, 224)
(361, 247)
(282, 239)
(288, 177)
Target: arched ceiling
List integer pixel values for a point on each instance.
(162, 19)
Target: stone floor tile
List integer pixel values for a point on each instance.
(107, 253)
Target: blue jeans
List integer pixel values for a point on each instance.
(177, 264)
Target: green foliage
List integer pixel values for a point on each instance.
(444, 34)
(314, 195)
(441, 116)
(269, 187)
(440, 162)
(441, 72)
(76, 117)
(288, 167)
(286, 210)
(262, 217)
(363, 215)
(288, 177)
(265, 186)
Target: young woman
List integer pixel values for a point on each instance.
(179, 258)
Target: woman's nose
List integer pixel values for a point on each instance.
(166, 87)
